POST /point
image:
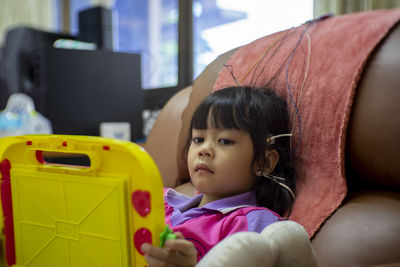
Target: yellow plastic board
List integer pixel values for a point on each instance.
(68, 215)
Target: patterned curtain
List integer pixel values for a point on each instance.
(35, 13)
(339, 7)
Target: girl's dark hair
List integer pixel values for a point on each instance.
(261, 113)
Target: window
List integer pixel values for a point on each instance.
(221, 25)
(147, 27)
(173, 52)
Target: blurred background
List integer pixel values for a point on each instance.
(175, 39)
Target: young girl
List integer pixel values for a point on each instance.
(239, 160)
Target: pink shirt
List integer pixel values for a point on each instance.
(209, 224)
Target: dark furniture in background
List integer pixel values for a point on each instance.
(75, 89)
(79, 89)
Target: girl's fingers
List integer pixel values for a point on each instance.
(179, 244)
(178, 235)
(182, 246)
(155, 252)
(177, 252)
(156, 256)
(153, 262)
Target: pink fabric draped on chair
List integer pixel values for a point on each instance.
(316, 68)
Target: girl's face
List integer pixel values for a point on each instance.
(220, 161)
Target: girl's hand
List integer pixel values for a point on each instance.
(177, 252)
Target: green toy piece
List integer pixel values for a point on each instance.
(165, 235)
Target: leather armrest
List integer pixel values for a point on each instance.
(365, 231)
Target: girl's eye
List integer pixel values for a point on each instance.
(226, 141)
(197, 140)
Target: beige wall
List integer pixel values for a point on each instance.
(338, 7)
(35, 13)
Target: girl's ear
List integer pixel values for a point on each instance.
(272, 156)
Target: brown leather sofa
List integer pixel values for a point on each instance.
(365, 229)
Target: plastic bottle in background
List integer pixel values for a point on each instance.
(20, 117)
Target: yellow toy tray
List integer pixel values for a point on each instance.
(71, 215)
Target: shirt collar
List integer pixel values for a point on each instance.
(225, 205)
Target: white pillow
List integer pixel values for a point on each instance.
(282, 244)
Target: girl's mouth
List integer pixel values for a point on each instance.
(202, 168)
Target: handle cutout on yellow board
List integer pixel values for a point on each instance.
(63, 159)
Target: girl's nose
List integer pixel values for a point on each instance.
(206, 151)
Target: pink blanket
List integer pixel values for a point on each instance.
(316, 67)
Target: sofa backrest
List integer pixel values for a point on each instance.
(373, 138)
